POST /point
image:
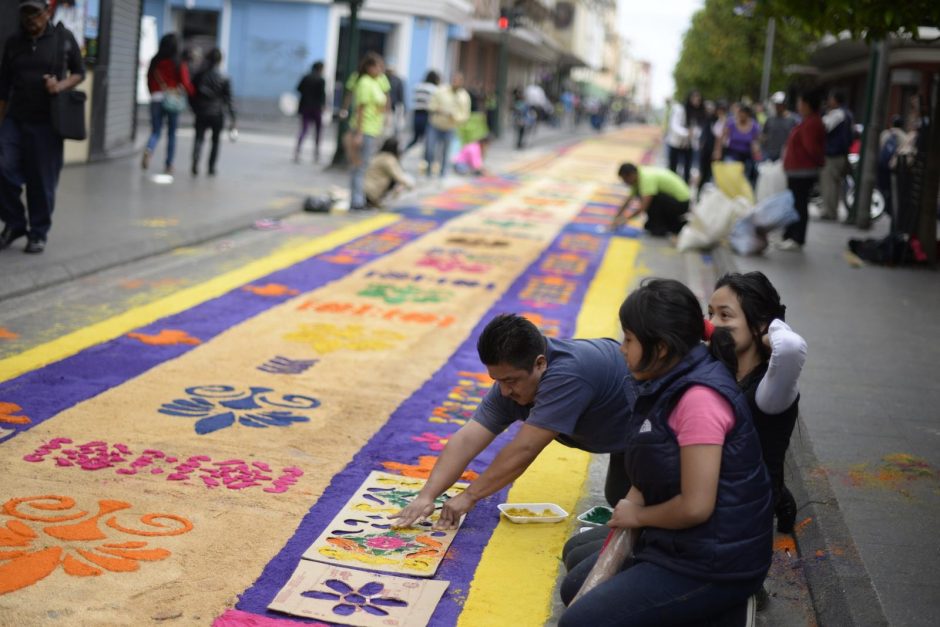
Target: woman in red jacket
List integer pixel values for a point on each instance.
(803, 157)
(169, 84)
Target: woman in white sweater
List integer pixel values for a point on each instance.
(770, 359)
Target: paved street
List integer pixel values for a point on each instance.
(126, 325)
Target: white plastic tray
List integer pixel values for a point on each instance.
(559, 516)
(583, 517)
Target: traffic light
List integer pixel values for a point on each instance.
(509, 18)
(503, 21)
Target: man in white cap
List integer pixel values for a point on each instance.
(777, 128)
(38, 63)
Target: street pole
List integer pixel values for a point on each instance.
(352, 47)
(768, 59)
(874, 121)
(501, 77)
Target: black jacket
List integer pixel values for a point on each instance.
(213, 95)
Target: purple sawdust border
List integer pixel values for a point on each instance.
(47, 391)
(410, 420)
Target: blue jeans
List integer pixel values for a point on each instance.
(357, 194)
(644, 594)
(156, 123)
(438, 144)
(31, 154)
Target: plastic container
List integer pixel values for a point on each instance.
(540, 508)
(596, 516)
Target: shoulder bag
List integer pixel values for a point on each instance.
(67, 107)
(173, 99)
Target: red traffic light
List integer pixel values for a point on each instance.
(503, 23)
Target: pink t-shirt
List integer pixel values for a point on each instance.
(471, 156)
(702, 416)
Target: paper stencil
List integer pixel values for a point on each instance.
(355, 597)
(362, 535)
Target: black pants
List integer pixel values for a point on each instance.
(205, 123)
(31, 155)
(681, 154)
(801, 188)
(420, 125)
(665, 215)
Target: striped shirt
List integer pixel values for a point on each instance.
(422, 96)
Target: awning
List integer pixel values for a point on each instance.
(523, 42)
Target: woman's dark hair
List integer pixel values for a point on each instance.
(626, 169)
(746, 109)
(759, 301)
(169, 48)
(432, 77)
(694, 114)
(390, 146)
(664, 314)
(317, 66)
(214, 57)
(511, 339)
(370, 60)
(813, 98)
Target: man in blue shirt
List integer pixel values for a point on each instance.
(566, 390)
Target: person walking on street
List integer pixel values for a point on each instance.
(312, 88)
(777, 129)
(31, 151)
(659, 193)
(366, 123)
(420, 104)
(803, 157)
(740, 140)
(450, 108)
(684, 128)
(838, 123)
(213, 99)
(169, 85)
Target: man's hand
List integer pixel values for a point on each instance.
(52, 84)
(418, 509)
(453, 510)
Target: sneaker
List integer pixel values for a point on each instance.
(145, 160)
(194, 170)
(10, 235)
(751, 611)
(762, 599)
(168, 170)
(789, 245)
(35, 246)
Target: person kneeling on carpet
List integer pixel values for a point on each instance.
(470, 158)
(385, 174)
(659, 193)
(566, 390)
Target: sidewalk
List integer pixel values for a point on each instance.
(865, 456)
(111, 213)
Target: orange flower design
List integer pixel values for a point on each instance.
(6, 334)
(423, 468)
(271, 289)
(69, 537)
(6, 414)
(166, 337)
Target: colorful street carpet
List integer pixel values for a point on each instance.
(175, 463)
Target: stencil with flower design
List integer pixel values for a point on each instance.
(355, 597)
(222, 406)
(41, 533)
(362, 533)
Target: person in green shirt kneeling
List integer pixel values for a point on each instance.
(659, 193)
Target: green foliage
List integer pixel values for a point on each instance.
(722, 53)
(864, 19)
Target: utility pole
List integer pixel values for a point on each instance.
(504, 23)
(768, 59)
(352, 49)
(874, 120)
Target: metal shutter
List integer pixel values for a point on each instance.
(122, 74)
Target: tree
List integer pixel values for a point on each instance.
(722, 52)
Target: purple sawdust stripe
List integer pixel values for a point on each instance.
(397, 438)
(47, 391)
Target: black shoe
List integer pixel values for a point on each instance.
(10, 235)
(785, 511)
(35, 246)
(195, 170)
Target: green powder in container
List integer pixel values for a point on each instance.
(598, 515)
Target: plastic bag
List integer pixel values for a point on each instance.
(711, 220)
(746, 238)
(771, 180)
(617, 548)
(730, 179)
(776, 212)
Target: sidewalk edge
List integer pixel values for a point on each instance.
(839, 584)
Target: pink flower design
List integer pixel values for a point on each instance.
(435, 442)
(385, 543)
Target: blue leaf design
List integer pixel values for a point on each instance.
(249, 421)
(340, 586)
(214, 423)
(371, 589)
(323, 596)
(388, 602)
(344, 609)
(375, 611)
(186, 407)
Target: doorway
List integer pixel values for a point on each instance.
(373, 37)
(199, 32)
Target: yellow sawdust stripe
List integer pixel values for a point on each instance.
(116, 326)
(515, 579)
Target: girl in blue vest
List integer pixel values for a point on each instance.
(701, 496)
(770, 358)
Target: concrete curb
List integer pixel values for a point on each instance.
(840, 586)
